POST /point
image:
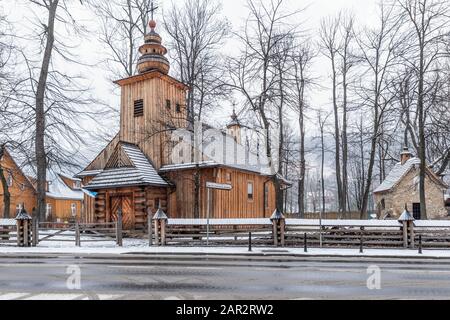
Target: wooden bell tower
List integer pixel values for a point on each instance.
(153, 104)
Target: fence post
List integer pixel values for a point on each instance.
(249, 241)
(361, 244)
(150, 227)
(157, 239)
(305, 243)
(23, 221)
(411, 233)
(407, 220)
(119, 228)
(160, 218)
(278, 222)
(77, 234)
(35, 228)
(420, 243)
(405, 234)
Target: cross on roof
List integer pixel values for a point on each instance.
(153, 9)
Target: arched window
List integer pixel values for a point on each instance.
(73, 209)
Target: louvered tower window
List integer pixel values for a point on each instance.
(139, 108)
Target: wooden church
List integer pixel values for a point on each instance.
(135, 171)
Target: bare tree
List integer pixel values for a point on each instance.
(329, 35)
(301, 62)
(252, 74)
(379, 52)
(55, 103)
(429, 22)
(197, 31)
(123, 25)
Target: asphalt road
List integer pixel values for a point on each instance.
(54, 276)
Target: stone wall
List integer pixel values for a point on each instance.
(407, 191)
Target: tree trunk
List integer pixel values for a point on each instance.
(344, 147)
(197, 191)
(301, 181)
(422, 142)
(368, 184)
(6, 193)
(337, 139)
(41, 160)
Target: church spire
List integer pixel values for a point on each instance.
(152, 51)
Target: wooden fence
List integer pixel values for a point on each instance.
(219, 232)
(8, 232)
(73, 232)
(301, 232)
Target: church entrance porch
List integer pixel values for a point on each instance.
(124, 203)
(135, 202)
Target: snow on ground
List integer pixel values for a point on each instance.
(140, 246)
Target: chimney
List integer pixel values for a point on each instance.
(405, 155)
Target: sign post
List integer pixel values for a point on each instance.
(210, 186)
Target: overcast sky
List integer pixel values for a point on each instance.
(90, 50)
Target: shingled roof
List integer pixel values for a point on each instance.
(131, 168)
(398, 172)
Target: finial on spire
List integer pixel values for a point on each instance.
(152, 10)
(152, 23)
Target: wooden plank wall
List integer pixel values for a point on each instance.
(225, 204)
(235, 203)
(100, 161)
(62, 209)
(22, 191)
(146, 131)
(143, 198)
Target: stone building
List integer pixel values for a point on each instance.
(401, 187)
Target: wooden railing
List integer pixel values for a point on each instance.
(219, 232)
(8, 231)
(301, 232)
(73, 232)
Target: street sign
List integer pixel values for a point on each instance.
(218, 186)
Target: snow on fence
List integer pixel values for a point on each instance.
(294, 232)
(79, 232)
(217, 232)
(8, 231)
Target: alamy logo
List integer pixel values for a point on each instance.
(74, 280)
(374, 279)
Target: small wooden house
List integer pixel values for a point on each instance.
(401, 187)
(136, 172)
(21, 189)
(64, 199)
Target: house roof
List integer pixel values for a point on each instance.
(58, 189)
(139, 172)
(397, 173)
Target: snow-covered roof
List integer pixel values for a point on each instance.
(141, 172)
(59, 190)
(396, 174)
(88, 173)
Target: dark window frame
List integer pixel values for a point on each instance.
(250, 196)
(138, 109)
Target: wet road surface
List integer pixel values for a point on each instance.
(38, 276)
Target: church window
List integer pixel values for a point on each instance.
(138, 108)
(9, 179)
(178, 108)
(168, 106)
(250, 191)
